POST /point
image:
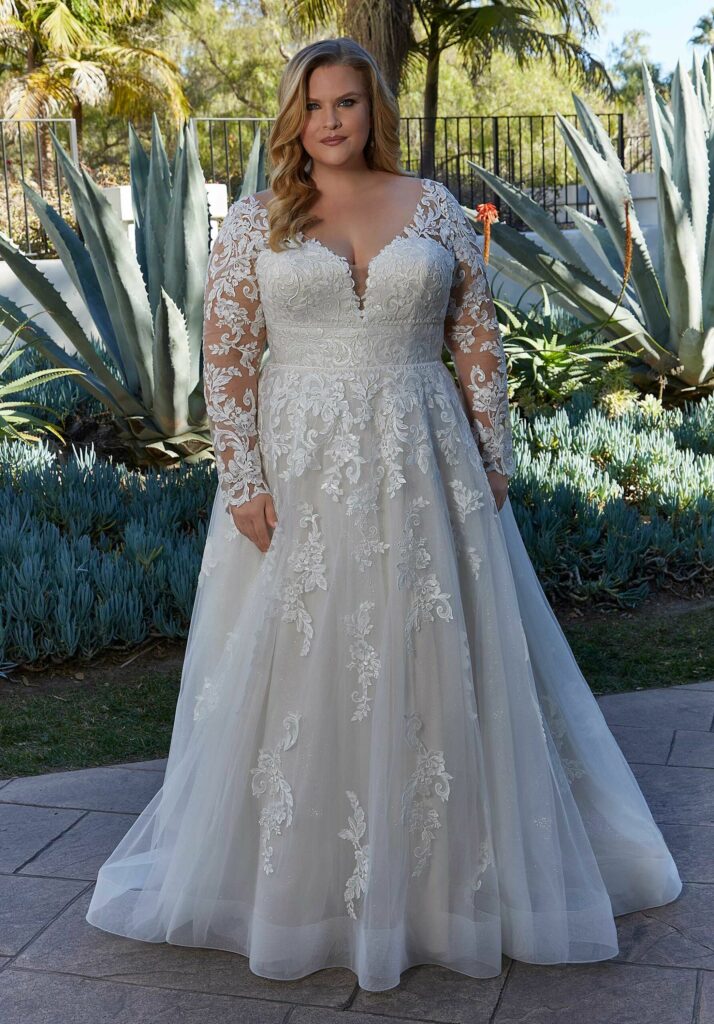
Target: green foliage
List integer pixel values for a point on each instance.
(548, 363)
(663, 306)
(64, 56)
(614, 508)
(16, 421)
(626, 68)
(146, 301)
(95, 555)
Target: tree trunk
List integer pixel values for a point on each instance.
(431, 104)
(384, 29)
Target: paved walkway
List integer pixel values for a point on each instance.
(56, 829)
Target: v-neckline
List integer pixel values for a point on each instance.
(360, 301)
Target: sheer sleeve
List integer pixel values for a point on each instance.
(473, 338)
(234, 339)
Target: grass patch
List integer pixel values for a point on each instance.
(114, 720)
(644, 649)
(97, 725)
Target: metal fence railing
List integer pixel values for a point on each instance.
(29, 157)
(527, 150)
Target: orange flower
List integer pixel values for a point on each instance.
(486, 214)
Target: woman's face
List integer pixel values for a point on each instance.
(337, 105)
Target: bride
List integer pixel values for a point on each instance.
(384, 753)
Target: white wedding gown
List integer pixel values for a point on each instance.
(384, 753)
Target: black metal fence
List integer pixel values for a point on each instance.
(526, 150)
(28, 157)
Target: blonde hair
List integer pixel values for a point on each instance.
(294, 193)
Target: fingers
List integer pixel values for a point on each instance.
(270, 513)
(261, 530)
(254, 517)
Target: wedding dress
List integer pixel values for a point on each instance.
(384, 753)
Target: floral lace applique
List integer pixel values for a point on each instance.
(572, 766)
(363, 502)
(474, 560)
(359, 879)
(234, 338)
(484, 859)
(269, 776)
(474, 340)
(428, 779)
(307, 562)
(363, 657)
(209, 560)
(425, 588)
(314, 421)
(206, 700)
(465, 499)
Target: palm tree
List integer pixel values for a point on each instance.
(66, 54)
(384, 27)
(704, 31)
(521, 29)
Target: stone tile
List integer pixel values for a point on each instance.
(644, 746)
(92, 789)
(683, 796)
(81, 851)
(706, 1001)
(73, 946)
(597, 993)
(675, 707)
(693, 748)
(149, 766)
(29, 904)
(692, 847)
(25, 830)
(313, 1015)
(679, 934)
(28, 997)
(430, 992)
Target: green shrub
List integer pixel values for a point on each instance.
(96, 555)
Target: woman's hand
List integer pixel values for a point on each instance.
(499, 487)
(253, 519)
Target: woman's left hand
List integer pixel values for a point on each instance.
(499, 487)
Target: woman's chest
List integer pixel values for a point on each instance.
(408, 281)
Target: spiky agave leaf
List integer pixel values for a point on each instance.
(610, 190)
(118, 273)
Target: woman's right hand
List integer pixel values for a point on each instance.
(255, 517)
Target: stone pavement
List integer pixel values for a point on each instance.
(56, 829)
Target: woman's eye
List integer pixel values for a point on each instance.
(313, 104)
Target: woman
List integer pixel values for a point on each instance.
(384, 753)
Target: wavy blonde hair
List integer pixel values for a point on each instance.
(294, 192)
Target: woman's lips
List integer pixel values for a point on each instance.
(332, 142)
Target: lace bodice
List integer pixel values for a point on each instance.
(425, 288)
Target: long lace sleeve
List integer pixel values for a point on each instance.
(234, 338)
(473, 338)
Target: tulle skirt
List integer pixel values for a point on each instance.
(384, 753)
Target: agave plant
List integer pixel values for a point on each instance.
(666, 312)
(145, 301)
